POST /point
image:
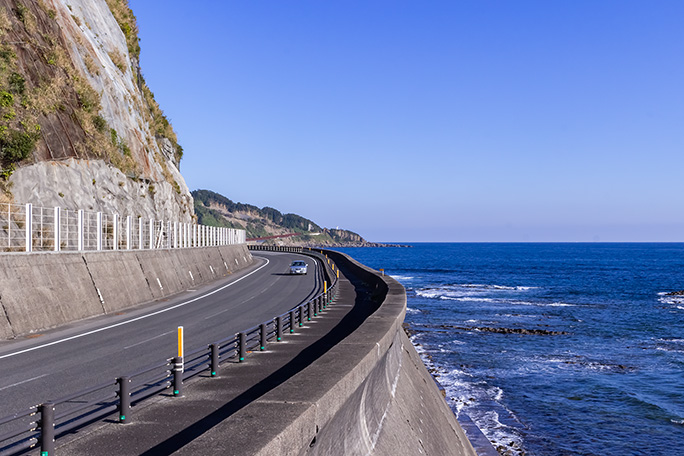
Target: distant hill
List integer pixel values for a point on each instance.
(214, 209)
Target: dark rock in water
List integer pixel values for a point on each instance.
(675, 293)
(523, 331)
(532, 332)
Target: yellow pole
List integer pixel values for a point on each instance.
(325, 286)
(338, 273)
(180, 341)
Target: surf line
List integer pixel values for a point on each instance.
(142, 317)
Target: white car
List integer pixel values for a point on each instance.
(298, 267)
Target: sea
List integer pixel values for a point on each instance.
(551, 349)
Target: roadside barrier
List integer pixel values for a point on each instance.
(29, 228)
(41, 425)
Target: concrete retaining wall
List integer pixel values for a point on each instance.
(45, 290)
(384, 401)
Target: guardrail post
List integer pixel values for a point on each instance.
(292, 321)
(214, 359)
(241, 345)
(279, 328)
(314, 305)
(301, 315)
(177, 376)
(124, 399)
(263, 331)
(47, 429)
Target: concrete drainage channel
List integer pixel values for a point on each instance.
(39, 426)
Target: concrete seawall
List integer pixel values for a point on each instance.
(386, 403)
(44, 290)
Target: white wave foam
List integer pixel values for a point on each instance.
(410, 310)
(678, 421)
(401, 277)
(673, 300)
(467, 289)
(429, 293)
(465, 394)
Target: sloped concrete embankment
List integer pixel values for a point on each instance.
(388, 403)
(45, 290)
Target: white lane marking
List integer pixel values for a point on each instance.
(77, 336)
(152, 338)
(23, 381)
(232, 308)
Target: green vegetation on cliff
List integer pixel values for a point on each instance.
(48, 108)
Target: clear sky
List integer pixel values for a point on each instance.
(431, 120)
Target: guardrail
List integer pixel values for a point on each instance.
(28, 228)
(42, 424)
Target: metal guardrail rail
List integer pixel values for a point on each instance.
(40, 425)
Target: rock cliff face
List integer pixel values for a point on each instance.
(79, 128)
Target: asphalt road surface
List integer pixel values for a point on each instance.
(69, 359)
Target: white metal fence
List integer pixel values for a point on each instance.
(28, 228)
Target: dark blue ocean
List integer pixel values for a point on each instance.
(552, 349)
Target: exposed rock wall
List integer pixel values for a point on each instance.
(100, 145)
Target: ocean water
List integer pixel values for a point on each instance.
(552, 349)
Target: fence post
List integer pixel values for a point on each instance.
(29, 227)
(128, 232)
(47, 429)
(80, 229)
(57, 227)
(241, 346)
(263, 331)
(151, 233)
(115, 232)
(301, 315)
(124, 399)
(177, 376)
(214, 359)
(279, 328)
(140, 233)
(292, 321)
(309, 310)
(98, 234)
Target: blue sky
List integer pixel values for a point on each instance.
(431, 121)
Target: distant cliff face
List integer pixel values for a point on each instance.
(269, 224)
(79, 128)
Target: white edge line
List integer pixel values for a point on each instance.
(23, 381)
(142, 317)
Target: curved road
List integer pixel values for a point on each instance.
(63, 361)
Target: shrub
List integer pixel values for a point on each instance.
(100, 124)
(6, 99)
(17, 83)
(17, 146)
